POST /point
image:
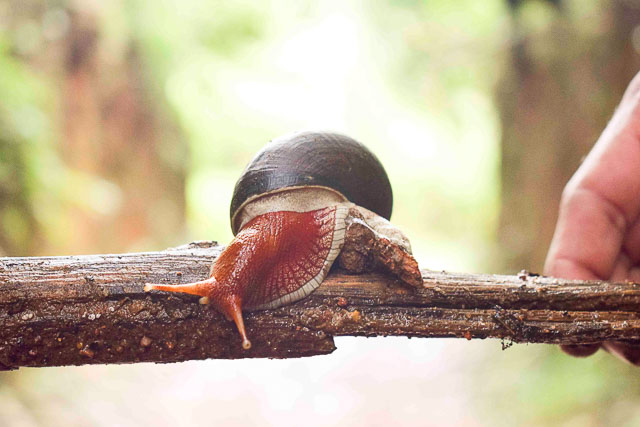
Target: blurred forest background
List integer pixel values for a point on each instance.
(124, 124)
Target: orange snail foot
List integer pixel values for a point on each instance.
(267, 247)
(231, 310)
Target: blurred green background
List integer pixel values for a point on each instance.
(124, 124)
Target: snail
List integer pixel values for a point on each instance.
(290, 213)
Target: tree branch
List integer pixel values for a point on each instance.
(76, 310)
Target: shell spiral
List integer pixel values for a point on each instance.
(317, 159)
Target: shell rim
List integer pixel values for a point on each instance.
(236, 227)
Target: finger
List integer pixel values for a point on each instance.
(632, 242)
(621, 268)
(625, 270)
(588, 237)
(598, 206)
(611, 168)
(601, 200)
(627, 352)
(633, 89)
(634, 275)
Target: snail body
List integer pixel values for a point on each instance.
(289, 213)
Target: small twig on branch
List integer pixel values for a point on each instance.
(77, 310)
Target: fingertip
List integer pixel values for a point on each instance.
(589, 233)
(568, 269)
(633, 90)
(629, 353)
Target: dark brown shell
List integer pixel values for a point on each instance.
(320, 159)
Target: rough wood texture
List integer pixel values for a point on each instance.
(92, 309)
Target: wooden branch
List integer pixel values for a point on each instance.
(77, 310)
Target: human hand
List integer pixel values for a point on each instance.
(598, 231)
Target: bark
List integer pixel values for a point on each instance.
(75, 310)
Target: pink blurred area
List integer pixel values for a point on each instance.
(365, 382)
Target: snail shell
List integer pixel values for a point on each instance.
(307, 171)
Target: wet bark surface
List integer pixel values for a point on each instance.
(76, 310)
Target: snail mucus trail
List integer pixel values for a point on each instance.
(290, 211)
